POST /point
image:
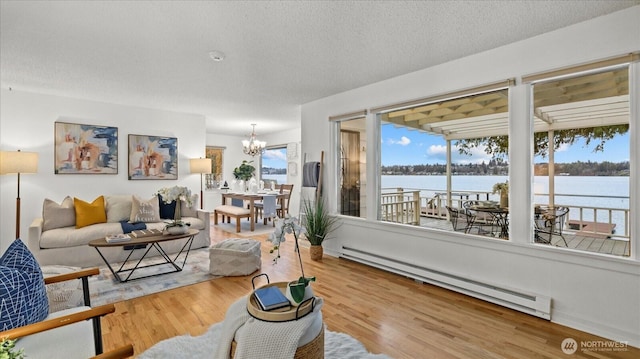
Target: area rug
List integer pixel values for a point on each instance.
(245, 228)
(105, 289)
(336, 346)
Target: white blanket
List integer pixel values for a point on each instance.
(260, 339)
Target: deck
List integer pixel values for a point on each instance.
(575, 240)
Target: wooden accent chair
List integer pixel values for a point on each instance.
(70, 333)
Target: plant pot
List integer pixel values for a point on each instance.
(504, 199)
(296, 299)
(177, 230)
(316, 252)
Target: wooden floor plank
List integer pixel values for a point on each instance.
(388, 313)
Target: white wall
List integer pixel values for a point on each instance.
(594, 293)
(27, 123)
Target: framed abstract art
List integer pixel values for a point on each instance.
(153, 157)
(85, 149)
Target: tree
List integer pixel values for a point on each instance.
(498, 146)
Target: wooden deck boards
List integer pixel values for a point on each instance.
(592, 229)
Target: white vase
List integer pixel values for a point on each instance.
(177, 230)
(308, 293)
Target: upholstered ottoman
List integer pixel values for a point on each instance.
(235, 257)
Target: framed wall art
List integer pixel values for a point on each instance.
(85, 149)
(214, 178)
(153, 157)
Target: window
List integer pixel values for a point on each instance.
(447, 152)
(352, 161)
(274, 165)
(581, 148)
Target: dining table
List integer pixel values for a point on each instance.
(251, 198)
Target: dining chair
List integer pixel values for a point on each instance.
(268, 210)
(286, 189)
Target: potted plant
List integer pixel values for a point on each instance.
(245, 171)
(318, 225)
(300, 290)
(177, 194)
(503, 189)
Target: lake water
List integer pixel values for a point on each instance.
(570, 190)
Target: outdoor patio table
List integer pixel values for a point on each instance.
(501, 216)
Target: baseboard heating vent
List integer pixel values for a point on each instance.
(530, 303)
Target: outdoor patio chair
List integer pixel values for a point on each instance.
(550, 222)
(461, 220)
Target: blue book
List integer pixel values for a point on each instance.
(271, 298)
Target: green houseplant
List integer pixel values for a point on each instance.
(245, 171)
(318, 225)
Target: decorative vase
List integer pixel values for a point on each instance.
(316, 252)
(182, 229)
(504, 199)
(295, 294)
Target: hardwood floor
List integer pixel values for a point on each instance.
(388, 313)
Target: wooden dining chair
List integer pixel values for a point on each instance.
(287, 190)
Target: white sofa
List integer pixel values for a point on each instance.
(68, 245)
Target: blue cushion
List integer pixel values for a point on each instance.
(23, 296)
(167, 210)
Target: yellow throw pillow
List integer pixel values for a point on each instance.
(90, 213)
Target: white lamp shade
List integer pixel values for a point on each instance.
(200, 165)
(18, 162)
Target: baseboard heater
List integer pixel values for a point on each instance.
(530, 303)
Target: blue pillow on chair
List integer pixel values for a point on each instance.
(23, 296)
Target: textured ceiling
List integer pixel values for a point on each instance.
(279, 54)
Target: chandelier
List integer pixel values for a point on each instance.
(253, 147)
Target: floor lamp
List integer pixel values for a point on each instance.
(18, 162)
(201, 166)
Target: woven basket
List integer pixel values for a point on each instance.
(312, 350)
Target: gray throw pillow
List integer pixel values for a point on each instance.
(58, 215)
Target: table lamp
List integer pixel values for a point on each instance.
(18, 162)
(201, 166)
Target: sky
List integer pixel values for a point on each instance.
(275, 158)
(401, 146)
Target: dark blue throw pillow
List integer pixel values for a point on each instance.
(23, 296)
(167, 210)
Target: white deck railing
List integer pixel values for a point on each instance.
(407, 205)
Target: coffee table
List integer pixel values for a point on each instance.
(150, 242)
